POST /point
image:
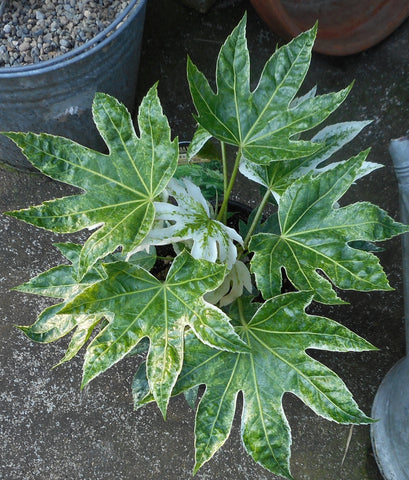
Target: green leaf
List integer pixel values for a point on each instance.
(191, 396)
(145, 258)
(199, 141)
(201, 163)
(206, 175)
(60, 282)
(269, 225)
(142, 306)
(141, 393)
(264, 123)
(278, 176)
(85, 326)
(50, 326)
(140, 386)
(278, 333)
(120, 188)
(314, 236)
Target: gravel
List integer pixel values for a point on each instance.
(33, 31)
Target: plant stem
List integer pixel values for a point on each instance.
(241, 311)
(225, 176)
(168, 258)
(224, 162)
(227, 192)
(256, 219)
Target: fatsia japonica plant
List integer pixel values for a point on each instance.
(170, 272)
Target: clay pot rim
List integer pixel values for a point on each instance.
(352, 38)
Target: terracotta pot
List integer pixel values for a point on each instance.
(345, 26)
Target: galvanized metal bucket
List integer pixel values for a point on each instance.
(55, 96)
(390, 436)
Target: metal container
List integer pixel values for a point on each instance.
(390, 436)
(344, 26)
(55, 96)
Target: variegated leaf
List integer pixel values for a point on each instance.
(120, 187)
(263, 123)
(143, 306)
(60, 282)
(278, 332)
(192, 220)
(278, 176)
(315, 237)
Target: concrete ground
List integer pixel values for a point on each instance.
(50, 430)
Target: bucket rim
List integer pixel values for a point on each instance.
(120, 22)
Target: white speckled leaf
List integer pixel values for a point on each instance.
(316, 237)
(60, 282)
(120, 187)
(279, 176)
(264, 123)
(279, 332)
(143, 306)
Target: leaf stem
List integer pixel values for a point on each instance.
(225, 176)
(227, 192)
(168, 258)
(256, 219)
(241, 312)
(224, 162)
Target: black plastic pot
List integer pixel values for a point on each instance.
(55, 96)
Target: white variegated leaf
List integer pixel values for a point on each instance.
(233, 286)
(279, 176)
(191, 220)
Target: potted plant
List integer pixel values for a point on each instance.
(56, 93)
(214, 301)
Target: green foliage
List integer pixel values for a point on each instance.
(278, 334)
(261, 123)
(61, 282)
(168, 273)
(143, 306)
(120, 187)
(314, 235)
